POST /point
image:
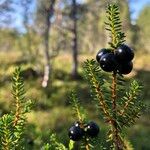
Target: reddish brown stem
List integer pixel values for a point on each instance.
(87, 147)
(114, 95)
(17, 113)
(116, 138)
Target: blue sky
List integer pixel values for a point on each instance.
(135, 7)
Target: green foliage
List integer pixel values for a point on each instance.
(79, 112)
(54, 144)
(22, 106)
(131, 105)
(6, 132)
(12, 125)
(114, 26)
(94, 76)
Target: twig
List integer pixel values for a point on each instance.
(116, 138)
(101, 99)
(87, 147)
(130, 98)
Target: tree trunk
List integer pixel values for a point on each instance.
(47, 68)
(74, 41)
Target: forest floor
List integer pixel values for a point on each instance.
(51, 111)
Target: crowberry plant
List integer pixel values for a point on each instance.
(119, 106)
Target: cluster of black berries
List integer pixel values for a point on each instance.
(119, 61)
(78, 130)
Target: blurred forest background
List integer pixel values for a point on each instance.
(50, 40)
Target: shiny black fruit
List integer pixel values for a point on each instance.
(124, 53)
(101, 53)
(125, 68)
(77, 124)
(75, 133)
(108, 62)
(92, 129)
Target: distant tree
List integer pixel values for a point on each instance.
(8, 39)
(44, 16)
(8, 36)
(92, 27)
(126, 17)
(69, 25)
(26, 4)
(135, 37)
(144, 24)
(74, 39)
(6, 8)
(72, 13)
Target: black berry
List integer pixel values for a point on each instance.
(108, 62)
(92, 129)
(124, 53)
(125, 68)
(75, 133)
(101, 53)
(77, 124)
